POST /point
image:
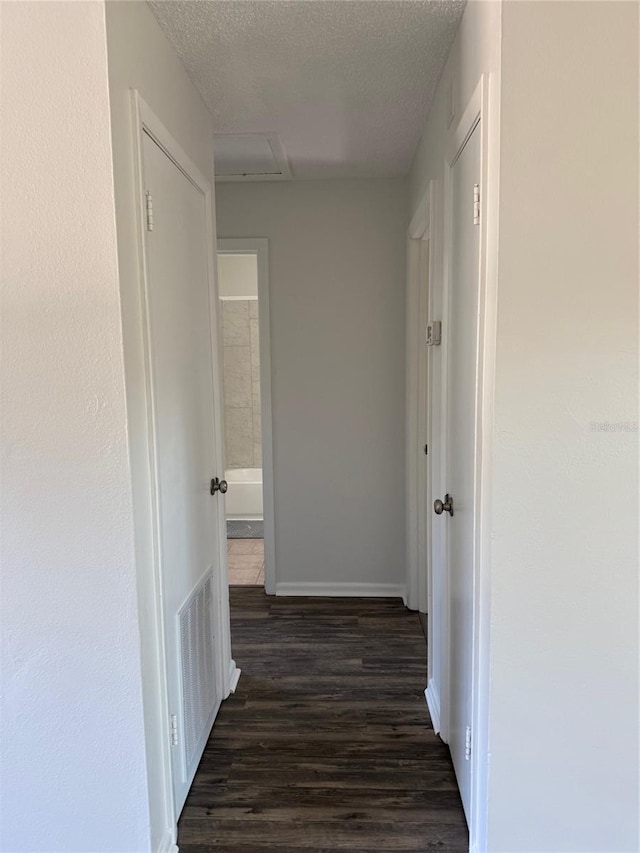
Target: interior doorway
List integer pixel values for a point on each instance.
(187, 649)
(245, 341)
(457, 512)
(450, 322)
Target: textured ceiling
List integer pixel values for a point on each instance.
(345, 83)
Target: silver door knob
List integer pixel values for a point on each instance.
(218, 485)
(443, 506)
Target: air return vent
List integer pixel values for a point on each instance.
(250, 157)
(198, 676)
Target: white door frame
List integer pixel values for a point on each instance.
(483, 109)
(420, 279)
(158, 740)
(260, 247)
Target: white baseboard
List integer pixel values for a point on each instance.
(167, 844)
(336, 590)
(433, 704)
(234, 676)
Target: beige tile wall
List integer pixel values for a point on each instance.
(241, 379)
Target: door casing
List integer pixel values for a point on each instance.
(259, 246)
(429, 222)
(482, 110)
(157, 713)
(422, 259)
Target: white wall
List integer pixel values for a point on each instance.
(337, 270)
(563, 737)
(475, 50)
(564, 642)
(238, 276)
(141, 58)
(73, 764)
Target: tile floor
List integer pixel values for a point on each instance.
(246, 562)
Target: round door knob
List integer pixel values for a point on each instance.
(443, 506)
(218, 485)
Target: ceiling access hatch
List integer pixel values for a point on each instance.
(250, 157)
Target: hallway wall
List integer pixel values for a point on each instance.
(563, 723)
(73, 765)
(337, 278)
(564, 641)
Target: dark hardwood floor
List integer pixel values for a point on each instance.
(327, 744)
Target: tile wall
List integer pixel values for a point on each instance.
(241, 375)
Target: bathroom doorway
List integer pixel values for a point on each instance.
(243, 291)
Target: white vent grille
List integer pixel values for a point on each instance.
(198, 676)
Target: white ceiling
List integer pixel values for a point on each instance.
(346, 84)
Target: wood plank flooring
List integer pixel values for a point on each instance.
(327, 744)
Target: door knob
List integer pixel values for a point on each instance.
(443, 506)
(218, 485)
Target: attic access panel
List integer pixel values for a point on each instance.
(250, 157)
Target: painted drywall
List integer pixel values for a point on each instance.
(140, 57)
(238, 276)
(563, 687)
(475, 51)
(336, 276)
(564, 580)
(73, 763)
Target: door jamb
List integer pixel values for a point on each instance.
(483, 108)
(145, 121)
(419, 383)
(260, 247)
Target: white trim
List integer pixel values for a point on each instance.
(411, 417)
(144, 121)
(418, 372)
(482, 108)
(167, 843)
(343, 590)
(260, 247)
(488, 310)
(455, 144)
(422, 218)
(433, 704)
(234, 676)
(157, 638)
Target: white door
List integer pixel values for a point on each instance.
(180, 351)
(464, 283)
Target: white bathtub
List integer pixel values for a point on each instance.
(244, 497)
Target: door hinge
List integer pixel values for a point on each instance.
(426, 450)
(467, 743)
(149, 211)
(476, 204)
(174, 730)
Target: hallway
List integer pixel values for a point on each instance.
(327, 743)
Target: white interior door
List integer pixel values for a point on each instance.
(463, 305)
(181, 368)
